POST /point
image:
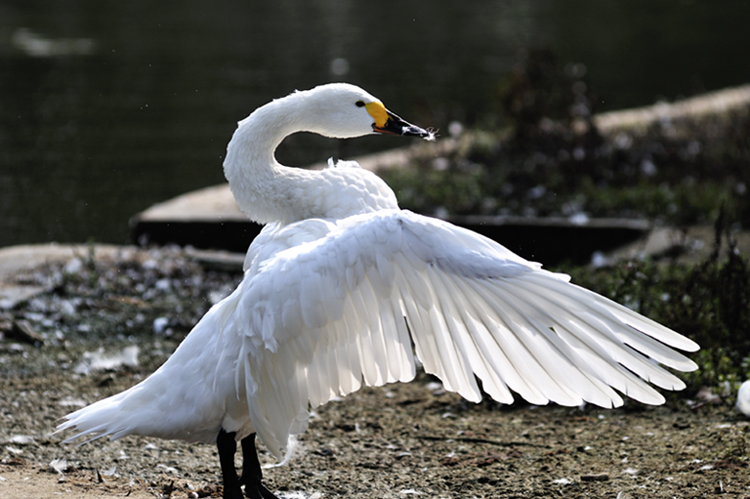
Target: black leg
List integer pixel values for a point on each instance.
(251, 472)
(227, 447)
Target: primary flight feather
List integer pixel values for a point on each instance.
(342, 289)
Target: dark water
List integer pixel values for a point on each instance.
(107, 107)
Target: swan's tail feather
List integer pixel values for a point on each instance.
(100, 419)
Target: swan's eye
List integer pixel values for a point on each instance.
(360, 103)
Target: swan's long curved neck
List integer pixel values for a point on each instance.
(264, 189)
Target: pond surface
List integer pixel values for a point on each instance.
(107, 107)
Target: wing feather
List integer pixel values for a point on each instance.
(372, 332)
(622, 340)
(352, 302)
(350, 335)
(389, 331)
(371, 368)
(456, 348)
(487, 326)
(485, 356)
(655, 338)
(556, 357)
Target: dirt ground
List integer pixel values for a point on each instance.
(395, 441)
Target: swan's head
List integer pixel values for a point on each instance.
(342, 110)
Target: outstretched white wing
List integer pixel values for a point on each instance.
(323, 317)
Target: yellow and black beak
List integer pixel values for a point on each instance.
(387, 122)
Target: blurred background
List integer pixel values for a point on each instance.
(107, 107)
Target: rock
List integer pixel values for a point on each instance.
(23, 331)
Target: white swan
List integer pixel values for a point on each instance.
(341, 283)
